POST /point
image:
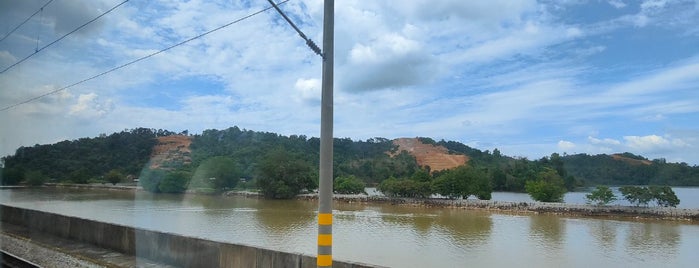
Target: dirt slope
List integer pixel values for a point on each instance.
(631, 161)
(437, 157)
(171, 149)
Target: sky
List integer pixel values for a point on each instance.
(529, 78)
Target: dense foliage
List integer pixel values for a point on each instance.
(114, 177)
(348, 185)
(630, 169)
(460, 182)
(548, 187)
(83, 159)
(663, 195)
(601, 195)
(284, 175)
(220, 159)
(218, 173)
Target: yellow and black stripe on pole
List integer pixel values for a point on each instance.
(325, 239)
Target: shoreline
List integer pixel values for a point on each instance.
(564, 209)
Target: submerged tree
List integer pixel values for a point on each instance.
(602, 195)
(548, 187)
(636, 195)
(664, 196)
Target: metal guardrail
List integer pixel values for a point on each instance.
(8, 260)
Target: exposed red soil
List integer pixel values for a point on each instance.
(174, 148)
(631, 161)
(437, 157)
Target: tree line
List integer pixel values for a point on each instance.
(636, 195)
(281, 166)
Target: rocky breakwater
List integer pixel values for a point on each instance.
(664, 213)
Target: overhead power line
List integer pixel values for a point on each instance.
(139, 59)
(61, 38)
(25, 21)
(309, 42)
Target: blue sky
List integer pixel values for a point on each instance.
(527, 77)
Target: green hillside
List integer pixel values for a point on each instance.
(128, 153)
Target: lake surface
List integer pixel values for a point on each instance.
(384, 234)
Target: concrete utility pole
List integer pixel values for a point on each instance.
(325, 185)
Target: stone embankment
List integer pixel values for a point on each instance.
(664, 213)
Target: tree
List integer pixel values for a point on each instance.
(81, 176)
(150, 179)
(636, 195)
(114, 176)
(463, 181)
(602, 195)
(174, 182)
(283, 175)
(548, 187)
(664, 196)
(220, 173)
(35, 178)
(348, 185)
(11, 176)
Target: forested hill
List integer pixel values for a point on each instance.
(131, 152)
(627, 168)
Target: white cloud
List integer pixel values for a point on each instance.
(566, 145)
(481, 72)
(617, 3)
(605, 141)
(89, 106)
(308, 90)
(653, 143)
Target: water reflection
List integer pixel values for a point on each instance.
(547, 230)
(383, 234)
(652, 240)
(282, 217)
(465, 228)
(604, 232)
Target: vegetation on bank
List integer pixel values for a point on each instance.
(282, 166)
(636, 195)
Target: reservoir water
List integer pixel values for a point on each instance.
(383, 234)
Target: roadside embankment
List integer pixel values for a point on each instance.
(167, 248)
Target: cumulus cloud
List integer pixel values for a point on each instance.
(308, 90)
(566, 145)
(391, 61)
(90, 106)
(653, 143)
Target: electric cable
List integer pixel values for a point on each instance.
(26, 20)
(61, 38)
(139, 59)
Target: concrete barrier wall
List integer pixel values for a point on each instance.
(161, 247)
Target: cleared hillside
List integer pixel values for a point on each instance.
(171, 151)
(436, 157)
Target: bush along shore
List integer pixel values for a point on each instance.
(612, 211)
